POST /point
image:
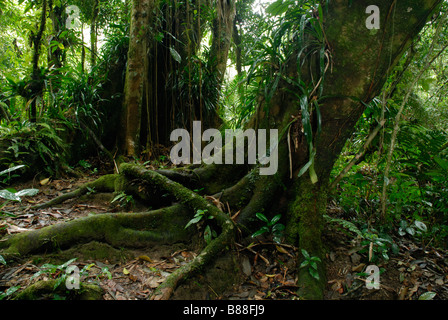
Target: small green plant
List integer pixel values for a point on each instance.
(35, 145)
(272, 227)
(209, 234)
(345, 224)
(124, 200)
(105, 272)
(90, 190)
(59, 272)
(10, 194)
(374, 243)
(377, 245)
(55, 271)
(84, 164)
(311, 263)
(9, 292)
(6, 176)
(14, 195)
(417, 229)
(202, 215)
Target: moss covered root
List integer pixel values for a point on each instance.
(195, 202)
(118, 229)
(46, 288)
(105, 183)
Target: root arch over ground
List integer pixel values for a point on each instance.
(163, 225)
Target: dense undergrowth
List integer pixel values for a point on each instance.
(78, 113)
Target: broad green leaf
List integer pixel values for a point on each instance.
(305, 254)
(59, 280)
(314, 273)
(277, 8)
(403, 224)
(27, 192)
(260, 232)
(8, 195)
(427, 296)
(11, 169)
(395, 248)
(66, 264)
(176, 56)
(9, 292)
(208, 234)
(411, 231)
(421, 226)
(262, 217)
(441, 162)
(2, 260)
(275, 219)
(193, 221)
(305, 168)
(278, 227)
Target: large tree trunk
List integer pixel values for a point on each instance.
(136, 77)
(172, 81)
(222, 32)
(94, 33)
(56, 54)
(36, 85)
(360, 62)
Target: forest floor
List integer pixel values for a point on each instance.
(253, 269)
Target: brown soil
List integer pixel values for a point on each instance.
(253, 269)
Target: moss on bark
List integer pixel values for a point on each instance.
(118, 229)
(45, 289)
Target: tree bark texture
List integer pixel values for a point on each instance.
(360, 60)
(136, 76)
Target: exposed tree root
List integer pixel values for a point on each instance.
(165, 225)
(251, 193)
(46, 287)
(105, 183)
(118, 229)
(196, 202)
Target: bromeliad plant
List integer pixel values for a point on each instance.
(272, 227)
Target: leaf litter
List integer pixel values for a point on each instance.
(266, 268)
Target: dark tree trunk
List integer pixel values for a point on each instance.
(175, 83)
(36, 85)
(360, 62)
(136, 77)
(93, 33)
